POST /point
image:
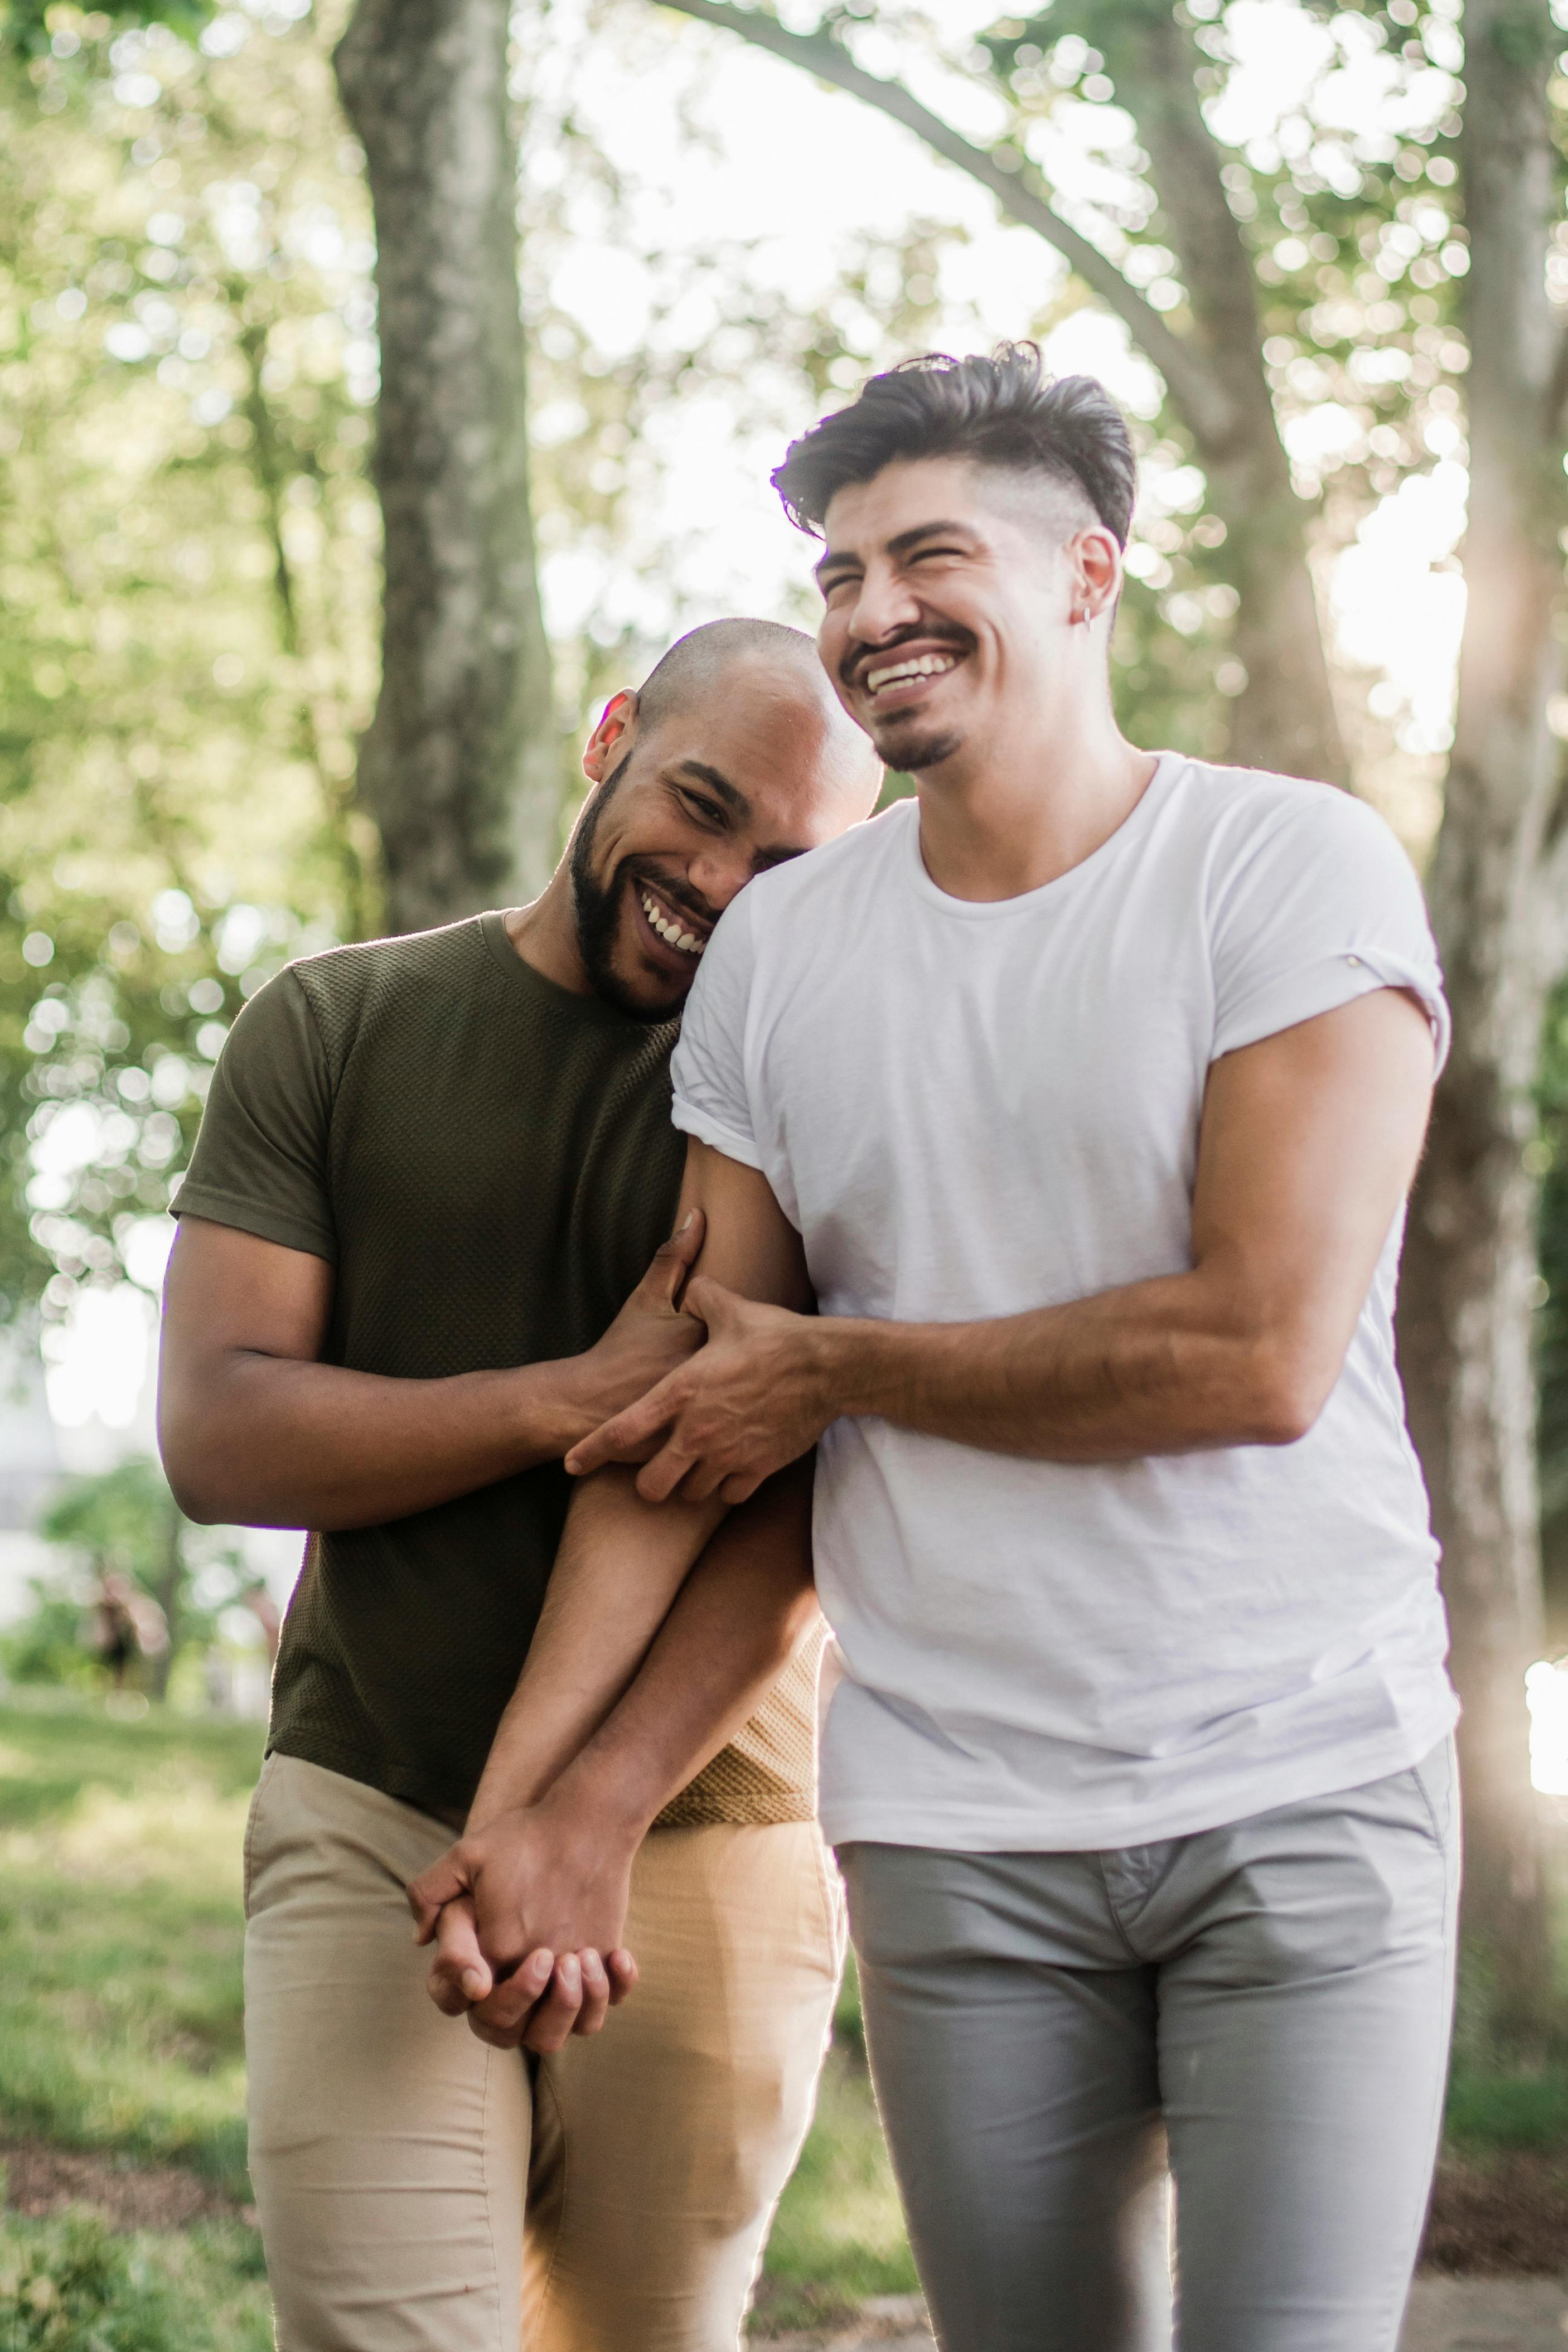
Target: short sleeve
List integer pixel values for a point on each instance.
(1321, 907)
(260, 1160)
(708, 1072)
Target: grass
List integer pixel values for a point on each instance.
(121, 2034)
(73, 2286)
(1505, 2110)
(120, 2037)
(119, 1934)
(839, 2236)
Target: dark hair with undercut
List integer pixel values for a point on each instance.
(1003, 411)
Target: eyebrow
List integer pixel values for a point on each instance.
(733, 800)
(902, 545)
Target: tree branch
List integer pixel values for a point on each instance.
(1192, 384)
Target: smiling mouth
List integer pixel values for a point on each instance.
(910, 672)
(671, 930)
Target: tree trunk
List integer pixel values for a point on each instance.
(1284, 718)
(1496, 887)
(460, 766)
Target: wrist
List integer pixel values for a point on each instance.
(608, 1795)
(556, 1408)
(843, 1357)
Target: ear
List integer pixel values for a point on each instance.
(612, 739)
(1095, 573)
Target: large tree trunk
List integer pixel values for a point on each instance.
(1284, 718)
(1495, 889)
(460, 766)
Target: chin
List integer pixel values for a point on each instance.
(646, 1001)
(906, 745)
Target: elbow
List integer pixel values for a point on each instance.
(188, 1470)
(194, 1497)
(1286, 1392)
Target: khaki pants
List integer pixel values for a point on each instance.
(394, 2157)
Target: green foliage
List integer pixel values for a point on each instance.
(125, 1521)
(72, 2286)
(188, 553)
(25, 25)
(45, 1644)
(838, 2237)
(1490, 2111)
(76, 2287)
(123, 1518)
(121, 1931)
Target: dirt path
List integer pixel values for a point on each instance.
(1520, 2314)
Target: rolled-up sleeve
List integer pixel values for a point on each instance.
(708, 1071)
(1327, 909)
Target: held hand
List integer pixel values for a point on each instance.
(650, 1336)
(521, 1912)
(754, 1397)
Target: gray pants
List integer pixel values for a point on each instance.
(1263, 2008)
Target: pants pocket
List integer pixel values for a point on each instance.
(251, 1819)
(1433, 1781)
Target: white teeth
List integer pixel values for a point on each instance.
(667, 929)
(921, 665)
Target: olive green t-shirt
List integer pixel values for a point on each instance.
(488, 1162)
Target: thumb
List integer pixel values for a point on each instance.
(459, 1974)
(674, 1259)
(708, 1301)
(442, 1883)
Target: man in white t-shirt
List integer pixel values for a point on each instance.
(1080, 1095)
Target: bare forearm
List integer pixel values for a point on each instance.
(620, 1565)
(739, 1619)
(274, 1441)
(1160, 1367)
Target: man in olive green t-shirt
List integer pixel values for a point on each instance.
(430, 1172)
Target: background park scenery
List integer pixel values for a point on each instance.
(380, 388)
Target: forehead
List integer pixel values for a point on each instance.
(991, 504)
(761, 728)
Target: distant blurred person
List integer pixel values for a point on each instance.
(125, 1626)
(1082, 1093)
(430, 1172)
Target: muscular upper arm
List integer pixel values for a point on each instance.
(750, 1244)
(1309, 1144)
(228, 1295)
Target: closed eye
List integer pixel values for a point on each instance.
(698, 804)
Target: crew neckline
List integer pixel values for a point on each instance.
(587, 1007)
(1168, 765)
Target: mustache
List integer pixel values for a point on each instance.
(861, 656)
(636, 870)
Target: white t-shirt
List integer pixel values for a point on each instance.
(969, 1110)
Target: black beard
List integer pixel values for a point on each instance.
(912, 757)
(597, 904)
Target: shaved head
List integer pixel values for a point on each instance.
(736, 754)
(710, 660)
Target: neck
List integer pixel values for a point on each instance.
(1042, 796)
(545, 934)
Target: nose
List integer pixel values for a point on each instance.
(884, 604)
(718, 871)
